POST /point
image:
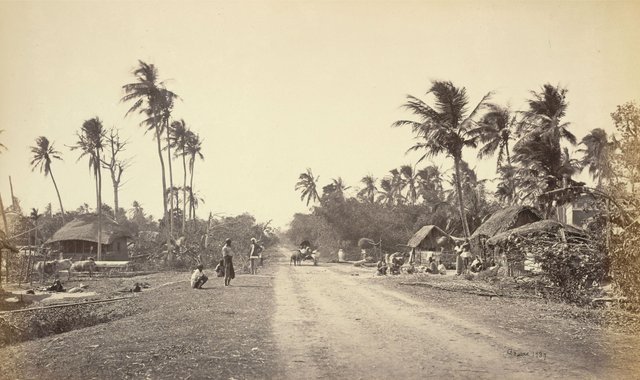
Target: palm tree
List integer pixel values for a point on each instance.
(397, 185)
(538, 153)
(369, 190)
(43, 155)
(495, 130)
(430, 185)
(445, 127)
(506, 187)
(410, 181)
(179, 135)
(90, 142)
(148, 99)
(336, 188)
(385, 196)
(307, 186)
(165, 107)
(597, 155)
(193, 149)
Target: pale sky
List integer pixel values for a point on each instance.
(275, 87)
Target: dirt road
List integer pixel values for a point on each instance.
(332, 321)
(331, 326)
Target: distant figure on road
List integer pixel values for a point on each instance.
(227, 256)
(459, 260)
(255, 254)
(198, 278)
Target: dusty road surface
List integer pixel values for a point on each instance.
(332, 321)
(335, 321)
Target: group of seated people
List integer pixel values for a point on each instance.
(393, 262)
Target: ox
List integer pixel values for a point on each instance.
(45, 268)
(84, 266)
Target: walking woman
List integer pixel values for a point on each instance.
(227, 256)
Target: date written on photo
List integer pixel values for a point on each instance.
(536, 354)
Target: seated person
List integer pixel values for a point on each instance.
(476, 265)
(382, 268)
(442, 269)
(198, 278)
(433, 267)
(396, 261)
(220, 269)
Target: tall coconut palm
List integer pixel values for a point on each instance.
(445, 128)
(336, 188)
(410, 182)
(148, 98)
(430, 185)
(385, 196)
(307, 186)
(165, 108)
(368, 192)
(397, 185)
(90, 143)
(179, 135)
(193, 149)
(539, 153)
(43, 155)
(597, 155)
(495, 130)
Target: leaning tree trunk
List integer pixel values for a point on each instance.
(463, 218)
(192, 207)
(170, 182)
(58, 193)
(99, 201)
(184, 190)
(170, 255)
(164, 183)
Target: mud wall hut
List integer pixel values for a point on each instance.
(78, 239)
(501, 221)
(430, 240)
(549, 229)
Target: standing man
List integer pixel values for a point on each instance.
(255, 253)
(227, 257)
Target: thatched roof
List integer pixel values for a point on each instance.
(426, 231)
(506, 219)
(85, 227)
(541, 227)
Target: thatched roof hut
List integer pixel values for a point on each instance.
(506, 219)
(542, 227)
(79, 237)
(430, 238)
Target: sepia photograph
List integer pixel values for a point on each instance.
(329, 189)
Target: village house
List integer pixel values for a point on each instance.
(78, 239)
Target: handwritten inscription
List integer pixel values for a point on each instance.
(535, 354)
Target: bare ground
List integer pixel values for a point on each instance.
(330, 321)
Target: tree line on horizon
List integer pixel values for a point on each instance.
(534, 167)
(103, 149)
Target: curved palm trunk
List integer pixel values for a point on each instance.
(512, 182)
(58, 193)
(192, 208)
(463, 218)
(99, 199)
(170, 182)
(164, 182)
(184, 190)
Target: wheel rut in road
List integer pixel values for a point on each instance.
(329, 324)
